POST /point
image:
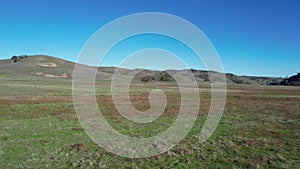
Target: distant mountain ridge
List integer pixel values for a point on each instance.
(47, 67)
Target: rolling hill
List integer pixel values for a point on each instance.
(47, 67)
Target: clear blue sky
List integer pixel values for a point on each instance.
(252, 37)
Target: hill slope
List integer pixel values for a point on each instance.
(37, 66)
(291, 81)
(47, 67)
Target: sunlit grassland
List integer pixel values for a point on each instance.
(259, 128)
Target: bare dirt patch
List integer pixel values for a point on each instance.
(47, 64)
(23, 99)
(64, 75)
(79, 147)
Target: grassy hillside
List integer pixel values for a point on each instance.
(36, 67)
(46, 67)
(39, 127)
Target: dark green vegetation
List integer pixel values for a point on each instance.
(39, 128)
(291, 81)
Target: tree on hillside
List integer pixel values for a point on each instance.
(18, 58)
(14, 59)
(291, 81)
(294, 80)
(147, 78)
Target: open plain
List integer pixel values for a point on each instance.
(259, 127)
